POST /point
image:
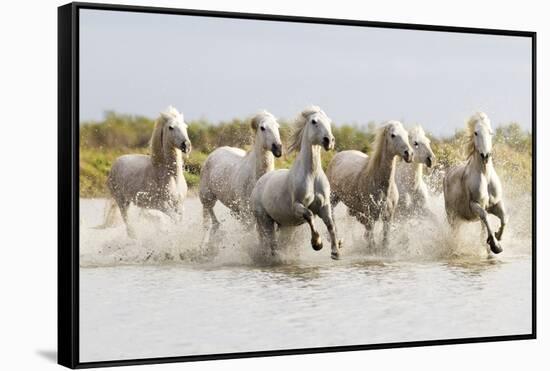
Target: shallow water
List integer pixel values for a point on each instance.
(162, 295)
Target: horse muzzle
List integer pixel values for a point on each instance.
(408, 156)
(429, 161)
(328, 143)
(277, 150)
(185, 147)
(485, 157)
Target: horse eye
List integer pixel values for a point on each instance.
(171, 127)
(262, 128)
(314, 122)
(393, 135)
(475, 133)
(416, 144)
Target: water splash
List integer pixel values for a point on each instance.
(159, 241)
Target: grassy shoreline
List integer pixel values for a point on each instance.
(103, 141)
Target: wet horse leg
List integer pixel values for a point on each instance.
(123, 206)
(500, 212)
(387, 220)
(491, 240)
(301, 211)
(326, 214)
(266, 230)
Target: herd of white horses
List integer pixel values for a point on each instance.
(387, 183)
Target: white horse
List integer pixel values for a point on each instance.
(229, 174)
(290, 197)
(413, 191)
(366, 185)
(473, 189)
(155, 181)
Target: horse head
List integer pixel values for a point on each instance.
(423, 153)
(174, 131)
(397, 140)
(266, 127)
(318, 130)
(480, 133)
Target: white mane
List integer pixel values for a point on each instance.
(259, 117)
(417, 131)
(172, 113)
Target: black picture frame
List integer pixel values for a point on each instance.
(68, 182)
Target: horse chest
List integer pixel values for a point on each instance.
(310, 194)
(479, 190)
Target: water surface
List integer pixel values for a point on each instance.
(160, 295)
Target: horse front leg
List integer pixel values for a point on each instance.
(491, 239)
(387, 221)
(500, 212)
(303, 212)
(266, 231)
(326, 214)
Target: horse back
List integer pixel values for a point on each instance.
(129, 170)
(343, 170)
(218, 172)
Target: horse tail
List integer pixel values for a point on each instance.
(111, 216)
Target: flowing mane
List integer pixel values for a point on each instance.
(157, 143)
(299, 126)
(417, 131)
(470, 129)
(379, 147)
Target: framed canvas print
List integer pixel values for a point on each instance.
(240, 185)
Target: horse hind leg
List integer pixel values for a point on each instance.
(208, 201)
(209, 219)
(123, 206)
(110, 215)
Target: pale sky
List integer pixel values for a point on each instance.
(220, 69)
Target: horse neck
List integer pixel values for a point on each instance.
(310, 157)
(171, 163)
(416, 172)
(262, 160)
(384, 174)
(478, 165)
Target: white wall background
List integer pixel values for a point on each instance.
(28, 155)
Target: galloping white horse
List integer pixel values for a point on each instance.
(366, 185)
(229, 174)
(155, 181)
(290, 197)
(473, 189)
(413, 191)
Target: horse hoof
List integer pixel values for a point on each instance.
(335, 255)
(495, 246)
(316, 243)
